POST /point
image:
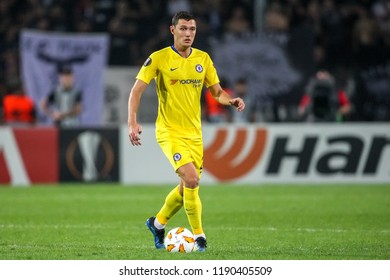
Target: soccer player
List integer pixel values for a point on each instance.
(180, 72)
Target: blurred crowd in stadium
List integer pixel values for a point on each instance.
(348, 40)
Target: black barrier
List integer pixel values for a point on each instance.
(89, 155)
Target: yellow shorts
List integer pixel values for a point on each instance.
(180, 151)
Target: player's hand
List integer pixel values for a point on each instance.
(134, 134)
(238, 103)
(57, 116)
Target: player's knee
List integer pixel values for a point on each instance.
(192, 182)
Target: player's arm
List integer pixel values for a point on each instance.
(135, 129)
(224, 98)
(76, 110)
(45, 106)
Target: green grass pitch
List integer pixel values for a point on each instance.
(268, 222)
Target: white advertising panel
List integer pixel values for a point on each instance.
(256, 154)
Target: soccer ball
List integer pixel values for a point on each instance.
(179, 239)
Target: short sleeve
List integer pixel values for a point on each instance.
(149, 69)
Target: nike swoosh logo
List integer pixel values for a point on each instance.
(173, 69)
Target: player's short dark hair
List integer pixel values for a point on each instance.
(241, 81)
(64, 69)
(182, 15)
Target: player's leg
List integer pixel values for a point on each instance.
(192, 203)
(173, 203)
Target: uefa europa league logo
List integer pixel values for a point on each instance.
(89, 143)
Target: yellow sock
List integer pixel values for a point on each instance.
(193, 208)
(173, 203)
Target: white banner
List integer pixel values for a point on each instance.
(255, 154)
(42, 52)
(194, 269)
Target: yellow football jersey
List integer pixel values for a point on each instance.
(179, 83)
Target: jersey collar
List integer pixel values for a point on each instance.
(175, 50)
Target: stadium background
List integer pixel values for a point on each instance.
(276, 45)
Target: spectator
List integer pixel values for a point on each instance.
(371, 74)
(317, 35)
(162, 38)
(63, 104)
(18, 108)
(238, 24)
(215, 111)
(173, 6)
(322, 102)
(334, 34)
(381, 11)
(241, 90)
(123, 29)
